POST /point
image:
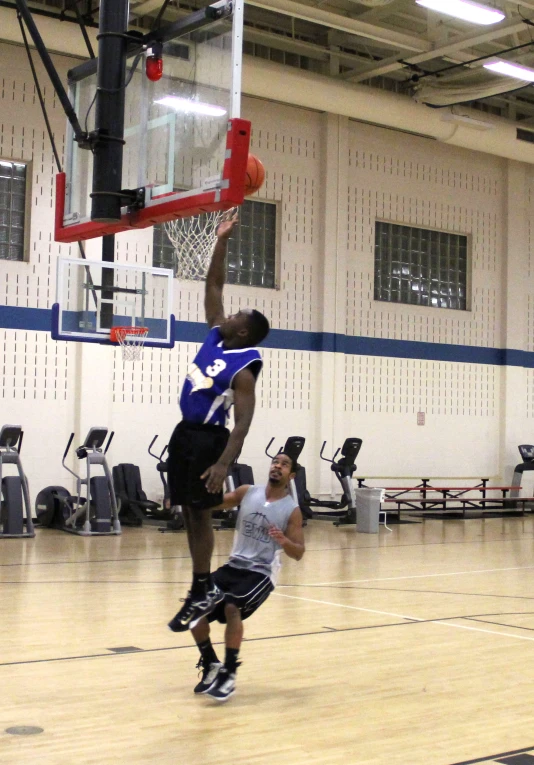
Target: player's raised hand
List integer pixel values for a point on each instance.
(225, 227)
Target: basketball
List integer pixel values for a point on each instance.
(254, 176)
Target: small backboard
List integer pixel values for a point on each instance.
(185, 145)
(94, 296)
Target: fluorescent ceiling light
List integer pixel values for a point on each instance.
(511, 70)
(191, 107)
(468, 10)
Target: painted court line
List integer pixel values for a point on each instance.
(418, 576)
(409, 618)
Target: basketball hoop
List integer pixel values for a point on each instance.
(193, 240)
(130, 339)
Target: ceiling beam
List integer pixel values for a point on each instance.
(145, 7)
(376, 14)
(299, 47)
(396, 40)
(456, 47)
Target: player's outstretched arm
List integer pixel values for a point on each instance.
(233, 498)
(213, 302)
(292, 542)
(244, 402)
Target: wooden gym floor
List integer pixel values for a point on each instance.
(414, 646)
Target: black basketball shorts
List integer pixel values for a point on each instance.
(245, 589)
(193, 448)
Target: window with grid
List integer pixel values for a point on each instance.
(420, 266)
(251, 258)
(12, 209)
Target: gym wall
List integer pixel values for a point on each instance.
(331, 177)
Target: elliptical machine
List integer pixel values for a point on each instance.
(96, 515)
(343, 469)
(161, 467)
(14, 492)
(174, 520)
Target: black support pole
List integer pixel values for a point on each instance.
(109, 115)
(108, 254)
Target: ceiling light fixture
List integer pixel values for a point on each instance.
(511, 70)
(191, 107)
(467, 10)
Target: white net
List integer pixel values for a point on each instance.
(131, 341)
(193, 240)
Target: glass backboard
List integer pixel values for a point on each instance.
(185, 143)
(93, 296)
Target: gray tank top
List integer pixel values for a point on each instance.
(253, 548)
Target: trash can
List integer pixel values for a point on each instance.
(368, 509)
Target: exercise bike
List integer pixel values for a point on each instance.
(343, 469)
(96, 515)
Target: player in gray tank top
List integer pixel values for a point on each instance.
(268, 523)
(254, 548)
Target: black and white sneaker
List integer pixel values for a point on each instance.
(223, 687)
(215, 595)
(194, 608)
(210, 673)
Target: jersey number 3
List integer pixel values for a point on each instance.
(217, 366)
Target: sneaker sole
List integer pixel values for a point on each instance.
(180, 628)
(201, 693)
(221, 699)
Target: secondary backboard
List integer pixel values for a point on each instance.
(93, 296)
(185, 143)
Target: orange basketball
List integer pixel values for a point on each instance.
(254, 176)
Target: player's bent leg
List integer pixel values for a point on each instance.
(208, 664)
(224, 686)
(234, 627)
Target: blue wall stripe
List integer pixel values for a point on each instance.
(12, 317)
(39, 319)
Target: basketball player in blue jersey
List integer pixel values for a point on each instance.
(201, 449)
(267, 523)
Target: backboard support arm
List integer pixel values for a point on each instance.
(25, 13)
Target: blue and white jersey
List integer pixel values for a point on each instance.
(207, 394)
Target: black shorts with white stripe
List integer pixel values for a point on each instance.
(245, 589)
